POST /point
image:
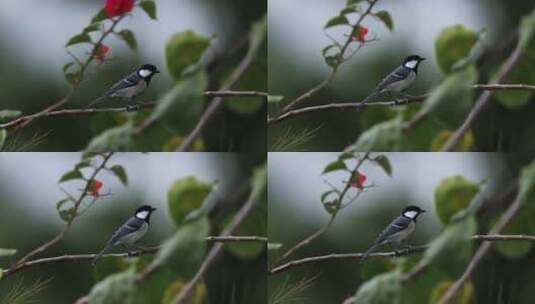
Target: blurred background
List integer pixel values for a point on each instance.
(296, 38)
(29, 191)
(33, 52)
(295, 184)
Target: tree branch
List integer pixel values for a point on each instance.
(358, 105)
(415, 249)
(140, 106)
(483, 99)
(323, 229)
(341, 55)
(232, 239)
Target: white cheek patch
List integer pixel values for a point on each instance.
(145, 73)
(411, 64)
(142, 214)
(411, 214)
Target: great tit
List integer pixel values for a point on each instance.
(398, 230)
(400, 79)
(130, 86)
(131, 231)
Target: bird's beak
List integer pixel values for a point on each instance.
(157, 72)
(422, 59)
(153, 209)
(422, 210)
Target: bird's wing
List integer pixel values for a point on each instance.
(398, 74)
(131, 80)
(397, 225)
(132, 225)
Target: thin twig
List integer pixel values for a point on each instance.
(332, 74)
(483, 99)
(232, 239)
(358, 105)
(414, 249)
(323, 229)
(483, 249)
(68, 225)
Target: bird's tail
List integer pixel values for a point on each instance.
(106, 248)
(96, 101)
(370, 250)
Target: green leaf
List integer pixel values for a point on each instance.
(198, 295)
(67, 66)
(526, 30)
(65, 212)
(327, 48)
(453, 44)
(93, 27)
(453, 195)
(466, 144)
(335, 21)
(120, 172)
(7, 252)
(382, 289)
(114, 139)
(77, 39)
(180, 108)
(384, 136)
(183, 50)
(384, 163)
(451, 101)
(332, 61)
(464, 296)
(385, 17)
(116, 288)
(74, 174)
(326, 194)
(349, 10)
(334, 166)
(352, 2)
(6, 115)
(3, 136)
(254, 79)
(129, 37)
(83, 164)
(522, 223)
(101, 15)
(149, 7)
(184, 251)
(72, 77)
(185, 196)
(451, 250)
(526, 192)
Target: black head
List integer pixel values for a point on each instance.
(146, 71)
(144, 212)
(412, 212)
(412, 62)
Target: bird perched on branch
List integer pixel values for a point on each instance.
(397, 231)
(131, 231)
(400, 79)
(130, 86)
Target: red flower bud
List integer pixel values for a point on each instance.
(100, 52)
(357, 181)
(118, 7)
(94, 187)
(360, 35)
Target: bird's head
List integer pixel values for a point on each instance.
(144, 212)
(146, 71)
(412, 212)
(412, 61)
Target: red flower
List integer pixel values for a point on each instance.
(94, 187)
(118, 7)
(100, 52)
(360, 35)
(357, 181)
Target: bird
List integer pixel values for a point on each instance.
(130, 86)
(131, 231)
(400, 79)
(397, 231)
